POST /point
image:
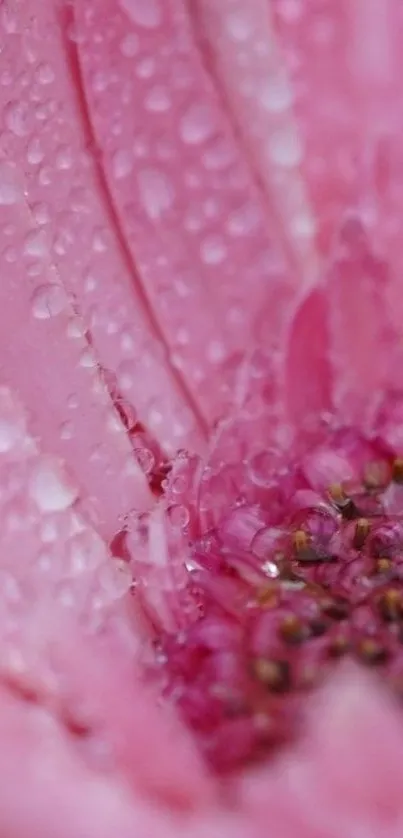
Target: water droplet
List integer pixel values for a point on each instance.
(303, 225)
(243, 221)
(178, 515)
(146, 68)
(11, 191)
(146, 13)
(219, 156)
(122, 164)
(216, 352)
(66, 431)
(48, 301)
(76, 328)
(129, 45)
(88, 359)
(145, 459)
(156, 192)
(72, 402)
(45, 74)
(45, 176)
(158, 99)
(36, 244)
(197, 124)
(239, 26)
(276, 95)
(49, 488)
(64, 158)
(35, 152)
(285, 149)
(99, 240)
(41, 213)
(16, 117)
(213, 250)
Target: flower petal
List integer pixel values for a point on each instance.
(49, 141)
(172, 164)
(250, 66)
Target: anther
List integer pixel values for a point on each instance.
(376, 475)
(306, 553)
(397, 470)
(371, 652)
(362, 528)
(344, 504)
(390, 605)
(383, 565)
(339, 646)
(275, 675)
(292, 630)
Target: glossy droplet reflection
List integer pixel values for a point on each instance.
(48, 301)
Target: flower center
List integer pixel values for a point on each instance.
(316, 580)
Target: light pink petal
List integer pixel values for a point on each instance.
(252, 74)
(45, 354)
(207, 249)
(345, 777)
(47, 136)
(359, 329)
(316, 39)
(308, 371)
(67, 641)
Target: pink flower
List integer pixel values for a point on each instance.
(200, 418)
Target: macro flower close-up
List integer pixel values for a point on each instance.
(201, 418)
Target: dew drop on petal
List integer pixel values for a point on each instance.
(197, 124)
(49, 488)
(213, 250)
(36, 243)
(122, 164)
(48, 301)
(146, 13)
(45, 74)
(285, 149)
(239, 26)
(129, 45)
(145, 459)
(11, 191)
(158, 100)
(276, 95)
(178, 515)
(156, 192)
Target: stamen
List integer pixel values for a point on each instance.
(345, 505)
(372, 652)
(292, 630)
(306, 553)
(391, 605)
(362, 528)
(275, 675)
(397, 470)
(383, 565)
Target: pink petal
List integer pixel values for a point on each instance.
(48, 358)
(48, 137)
(163, 132)
(359, 327)
(316, 38)
(66, 639)
(248, 58)
(345, 778)
(308, 372)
